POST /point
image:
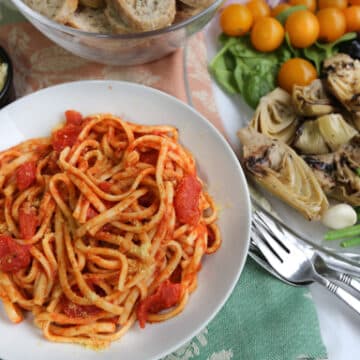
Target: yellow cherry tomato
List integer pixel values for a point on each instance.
(340, 4)
(352, 18)
(310, 4)
(296, 71)
(332, 24)
(236, 20)
(279, 9)
(258, 8)
(267, 34)
(303, 28)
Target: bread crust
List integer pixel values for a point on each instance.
(130, 12)
(197, 3)
(57, 10)
(91, 20)
(118, 26)
(184, 12)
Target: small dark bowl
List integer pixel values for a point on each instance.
(7, 94)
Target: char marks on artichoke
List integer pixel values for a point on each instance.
(323, 135)
(342, 75)
(337, 172)
(305, 146)
(311, 100)
(277, 167)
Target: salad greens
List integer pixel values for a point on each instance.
(318, 52)
(239, 68)
(282, 17)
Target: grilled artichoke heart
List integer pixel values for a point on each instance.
(275, 117)
(276, 167)
(335, 130)
(343, 81)
(310, 140)
(323, 135)
(311, 100)
(337, 172)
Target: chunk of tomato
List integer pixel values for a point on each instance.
(73, 117)
(186, 200)
(91, 213)
(13, 257)
(28, 220)
(149, 157)
(66, 136)
(166, 296)
(105, 186)
(26, 175)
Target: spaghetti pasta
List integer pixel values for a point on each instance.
(102, 224)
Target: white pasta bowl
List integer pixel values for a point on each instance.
(35, 115)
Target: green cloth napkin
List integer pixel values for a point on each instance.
(264, 319)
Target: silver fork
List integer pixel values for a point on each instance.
(293, 264)
(259, 258)
(326, 263)
(319, 264)
(322, 261)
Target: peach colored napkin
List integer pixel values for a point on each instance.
(39, 63)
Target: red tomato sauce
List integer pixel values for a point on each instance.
(91, 213)
(28, 221)
(13, 257)
(186, 200)
(166, 296)
(105, 186)
(26, 175)
(74, 310)
(211, 237)
(66, 136)
(73, 118)
(149, 157)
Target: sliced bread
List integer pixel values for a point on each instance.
(118, 26)
(145, 15)
(57, 10)
(91, 20)
(184, 12)
(197, 3)
(94, 4)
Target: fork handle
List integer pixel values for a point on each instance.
(341, 293)
(350, 281)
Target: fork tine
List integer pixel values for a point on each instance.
(279, 232)
(270, 223)
(269, 218)
(270, 239)
(272, 259)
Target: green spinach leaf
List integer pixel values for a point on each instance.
(282, 17)
(223, 66)
(331, 48)
(315, 55)
(318, 52)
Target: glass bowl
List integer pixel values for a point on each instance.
(120, 49)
